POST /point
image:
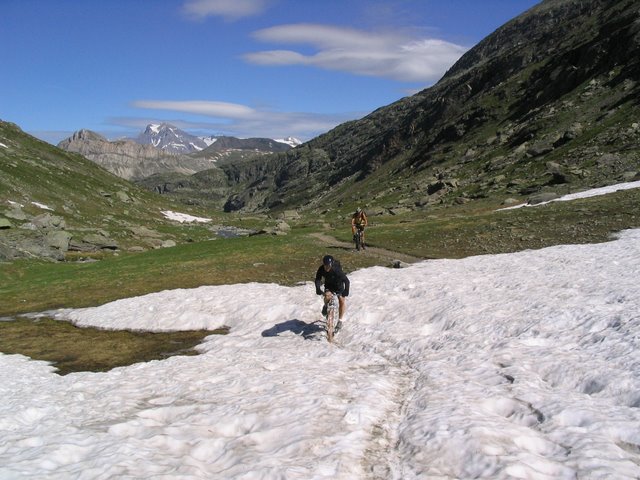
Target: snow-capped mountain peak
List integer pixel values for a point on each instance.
(294, 142)
(170, 138)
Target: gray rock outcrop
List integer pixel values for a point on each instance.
(128, 159)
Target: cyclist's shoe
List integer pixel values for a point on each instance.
(324, 310)
(338, 327)
(364, 247)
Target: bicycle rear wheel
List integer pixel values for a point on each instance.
(330, 327)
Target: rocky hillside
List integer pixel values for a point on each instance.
(156, 153)
(54, 203)
(131, 160)
(546, 104)
(266, 145)
(212, 187)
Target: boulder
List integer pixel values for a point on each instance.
(140, 231)
(542, 197)
(290, 215)
(100, 241)
(58, 239)
(46, 221)
(283, 227)
(399, 264)
(5, 224)
(16, 213)
(123, 197)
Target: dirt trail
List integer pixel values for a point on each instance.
(387, 255)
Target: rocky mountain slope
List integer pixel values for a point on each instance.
(170, 139)
(128, 159)
(53, 203)
(546, 104)
(165, 149)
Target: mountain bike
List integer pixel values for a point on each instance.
(332, 316)
(358, 238)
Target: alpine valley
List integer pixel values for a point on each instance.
(547, 104)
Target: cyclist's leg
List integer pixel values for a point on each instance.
(341, 306)
(326, 297)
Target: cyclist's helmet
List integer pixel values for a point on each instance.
(358, 210)
(327, 260)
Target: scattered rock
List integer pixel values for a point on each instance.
(542, 197)
(399, 264)
(46, 221)
(539, 149)
(283, 227)
(141, 231)
(100, 241)
(16, 213)
(5, 224)
(123, 197)
(608, 159)
(290, 215)
(58, 239)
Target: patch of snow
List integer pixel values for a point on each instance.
(294, 142)
(521, 365)
(594, 192)
(42, 206)
(3, 145)
(15, 204)
(209, 140)
(183, 217)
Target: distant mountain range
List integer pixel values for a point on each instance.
(169, 138)
(164, 148)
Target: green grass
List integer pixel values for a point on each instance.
(479, 228)
(73, 349)
(28, 286)
(453, 232)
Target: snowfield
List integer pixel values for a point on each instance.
(514, 366)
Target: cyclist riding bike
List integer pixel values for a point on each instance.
(335, 282)
(358, 222)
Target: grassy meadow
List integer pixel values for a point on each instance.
(28, 286)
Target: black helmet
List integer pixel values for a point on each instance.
(327, 260)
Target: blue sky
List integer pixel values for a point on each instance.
(246, 68)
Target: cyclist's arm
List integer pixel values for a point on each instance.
(344, 283)
(347, 284)
(318, 280)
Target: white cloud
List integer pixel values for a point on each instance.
(386, 55)
(241, 120)
(199, 107)
(228, 9)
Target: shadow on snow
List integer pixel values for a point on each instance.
(307, 330)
